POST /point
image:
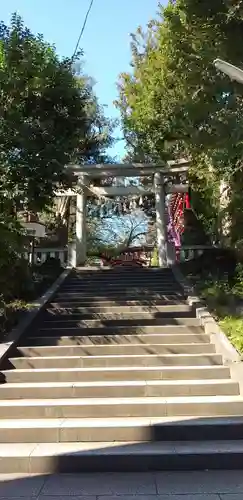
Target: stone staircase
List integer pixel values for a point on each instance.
(117, 374)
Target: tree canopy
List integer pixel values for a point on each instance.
(49, 116)
(175, 103)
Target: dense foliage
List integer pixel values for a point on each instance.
(175, 103)
(49, 117)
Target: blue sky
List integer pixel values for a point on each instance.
(105, 42)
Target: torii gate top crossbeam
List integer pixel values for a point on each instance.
(130, 170)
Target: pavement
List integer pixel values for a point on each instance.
(207, 485)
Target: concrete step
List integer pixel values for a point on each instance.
(124, 274)
(118, 356)
(126, 277)
(123, 280)
(111, 302)
(144, 360)
(101, 322)
(94, 271)
(122, 292)
(193, 406)
(117, 330)
(117, 299)
(166, 311)
(138, 316)
(142, 429)
(102, 271)
(121, 285)
(180, 338)
(118, 287)
(115, 374)
(114, 350)
(120, 456)
(124, 389)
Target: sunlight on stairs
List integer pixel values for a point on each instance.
(116, 374)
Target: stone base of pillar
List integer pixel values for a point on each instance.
(171, 254)
(80, 255)
(75, 258)
(81, 229)
(162, 254)
(72, 255)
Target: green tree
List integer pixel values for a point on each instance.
(174, 102)
(48, 117)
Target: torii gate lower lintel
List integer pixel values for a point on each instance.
(161, 173)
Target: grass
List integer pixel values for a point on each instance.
(224, 300)
(233, 327)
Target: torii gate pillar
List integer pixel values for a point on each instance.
(81, 229)
(161, 225)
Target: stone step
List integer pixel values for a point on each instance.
(118, 355)
(125, 389)
(115, 374)
(201, 406)
(122, 281)
(113, 350)
(144, 360)
(128, 292)
(113, 270)
(118, 302)
(116, 280)
(138, 316)
(166, 311)
(120, 457)
(128, 275)
(180, 338)
(113, 273)
(117, 271)
(118, 299)
(140, 429)
(121, 285)
(102, 322)
(117, 330)
(123, 278)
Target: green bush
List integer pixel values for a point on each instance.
(50, 266)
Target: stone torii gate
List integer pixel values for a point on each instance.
(167, 179)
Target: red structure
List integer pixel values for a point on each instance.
(130, 257)
(141, 256)
(178, 203)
